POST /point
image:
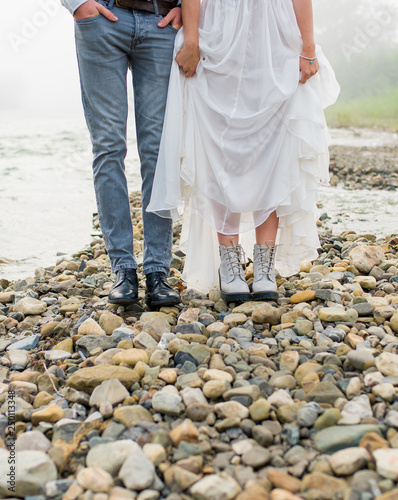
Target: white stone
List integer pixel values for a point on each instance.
(387, 363)
(372, 379)
(387, 462)
(32, 440)
(137, 472)
(57, 355)
(95, 479)
(18, 357)
(348, 461)
(110, 456)
(34, 468)
(385, 391)
(192, 395)
(111, 390)
(167, 403)
(231, 409)
(366, 257)
(243, 446)
(214, 374)
(29, 306)
(280, 398)
(356, 410)
(216, 487)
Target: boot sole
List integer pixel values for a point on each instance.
(123, 302)
(265, 296)
(235, 297)
(161, 303)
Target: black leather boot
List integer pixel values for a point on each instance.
(125, 288)
(158, 292)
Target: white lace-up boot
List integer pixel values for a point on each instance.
(233, 285)
(264, 284)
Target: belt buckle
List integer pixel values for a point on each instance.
(119, 4)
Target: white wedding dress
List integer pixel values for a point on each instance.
(244, 138)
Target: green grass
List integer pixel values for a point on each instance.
(380, 111)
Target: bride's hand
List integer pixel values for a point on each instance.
(307, 69)
(188, 59)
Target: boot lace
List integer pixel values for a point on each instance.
(235, 257)
(267, 258)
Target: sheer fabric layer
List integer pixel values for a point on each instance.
(243, 138)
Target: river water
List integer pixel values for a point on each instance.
(47, 198)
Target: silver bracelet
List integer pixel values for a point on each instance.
(311, 59)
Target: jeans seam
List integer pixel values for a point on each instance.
(123, 266)
(156, 269)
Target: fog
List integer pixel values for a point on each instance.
(39, 71)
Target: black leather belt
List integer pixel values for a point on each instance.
(164, 7)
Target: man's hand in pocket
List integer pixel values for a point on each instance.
(91, 8)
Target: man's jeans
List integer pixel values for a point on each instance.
(105, 51)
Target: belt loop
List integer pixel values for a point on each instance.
(155, 5)
(111, 4)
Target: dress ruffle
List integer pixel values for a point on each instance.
(243, 138)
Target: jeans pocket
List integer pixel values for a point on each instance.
(87, 20)
(172, 28)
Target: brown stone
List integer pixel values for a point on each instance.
(280, 494)
(86, 379)
(303, 296)
(390, 495)
(52, 414)
(324, 486)
(184, 432)
(372, 441)
(284, 481)
(255, 492)
(266, 314)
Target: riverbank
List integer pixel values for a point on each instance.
(296, 398)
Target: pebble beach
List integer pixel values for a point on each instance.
(280, 400)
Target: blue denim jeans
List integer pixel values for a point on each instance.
(105, 51)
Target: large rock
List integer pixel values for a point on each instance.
(86, 379)
(339, 437)
(337, 314)
(231, 409)
(323, 486)
(324, 392)
(131, 416)
(109, 322)
(32, 440)
(216, 487)
(110, 456)
(387, 363)
(94, 479)
(167, 403)
(348, 461)
(111, 390)
(266, 314)
(364, 258)
(137, 472)
(131, 357)
(29, 306)
(32, 470)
